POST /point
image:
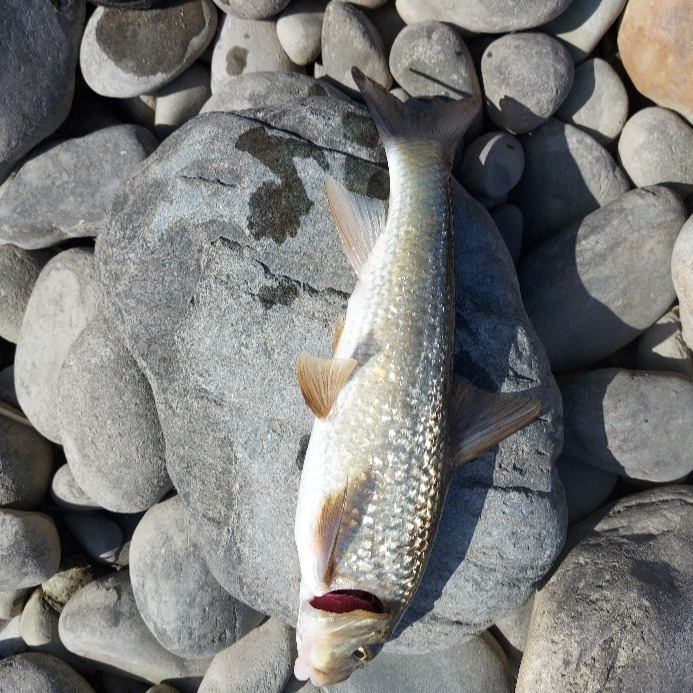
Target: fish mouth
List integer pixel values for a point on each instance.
(346, 601)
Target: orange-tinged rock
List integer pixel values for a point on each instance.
(656, 45)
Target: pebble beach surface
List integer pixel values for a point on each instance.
(167, 251)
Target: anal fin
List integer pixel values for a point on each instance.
(482, 419)
(321, 381)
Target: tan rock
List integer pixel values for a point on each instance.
(656, 46)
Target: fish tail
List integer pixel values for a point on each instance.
(446, 123)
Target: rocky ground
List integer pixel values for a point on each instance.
(166, 252)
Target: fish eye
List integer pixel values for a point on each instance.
(362, 654)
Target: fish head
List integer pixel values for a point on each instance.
(337, 633)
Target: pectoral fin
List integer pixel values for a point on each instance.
(326, 532)
(321, 381)
(483, 419)
(359, 219)
(337, 332)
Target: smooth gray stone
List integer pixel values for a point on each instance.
(492, 164)
(600, 282)
(109, 425)
(682, 276)
(63, 302)
(632, 423)
(131, 52)
(616, 614)
(526, 78)
(656, 147)
(350, 39)
(475, 665)
(264, 89)
(38, 57)
(11, 642)
(12, 602)
(245, 46)
(661, 347)
(63, 190)
(180, 100)
(182, 604)
(567, 175)
(252, 9)
(483, 16)
(508, 220)
(98, 535)
(257, 298)
(29, 549)
(431, 59)
(582, 25)
(586, 486)
(26, 464)
(19, 270)
(67, 493)
(514, 625)
(299, 30)
(262, 662)
(597, 102)
(33, 671)
(101, 622)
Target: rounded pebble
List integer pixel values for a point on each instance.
(597, 102)
(656, 146)
(526, 78)
(99, 536)
(132, 52)
(299, 30)
(661, 347)
(508, 220)
(654, 41)
(67, 493)
(431, 59)
(252, 9)
(492, 164)
(182, 604)
(682, 276)
(33, 671)
(19, 270)
(349, 39)
(567, 175)
(600, 282)
(64, 300)
(29, 549)
(109, 425)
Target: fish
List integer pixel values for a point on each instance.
(392, 421)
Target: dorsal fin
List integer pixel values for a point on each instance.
(337, 332)
(482, 419)
(321, 381)
(326, 533)
(359, 219)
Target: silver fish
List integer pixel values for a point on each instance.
(392, 421)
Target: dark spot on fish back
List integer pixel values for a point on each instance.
(236, 60)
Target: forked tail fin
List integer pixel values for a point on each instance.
(446, 123)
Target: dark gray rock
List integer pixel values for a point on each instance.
(64, 300)
(180, 601)
(431, 59)
(614, 615)
(586, 487)
(600, 282)
(597, 102)
(33, 671)
(567, 175)
(19, 270)
(7, 391)
(130, 52)
(526, 78)
(109, 425)
(492, 164)
(252, 9)
(262, 662)
(29, 549)
(656, 147)
(26, 463)
(682, 276)
(249, 296)
(661, 347)
(483, 16)
(67, 493)
(349, 39)
(582, 24)
(632, 423)
(39, 46)
(99, 536)
(63, 190)
(508, 220)
(101, 622)
(299, 30)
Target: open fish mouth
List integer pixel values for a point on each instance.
(345, 601)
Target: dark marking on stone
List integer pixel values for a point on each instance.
(56, 4)
(465, 363)
(276, 209)
(317, 90)
(284, 293)
(359, 129)
(365, 178)
(147, 43)
(236, 60)
(302, 449)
